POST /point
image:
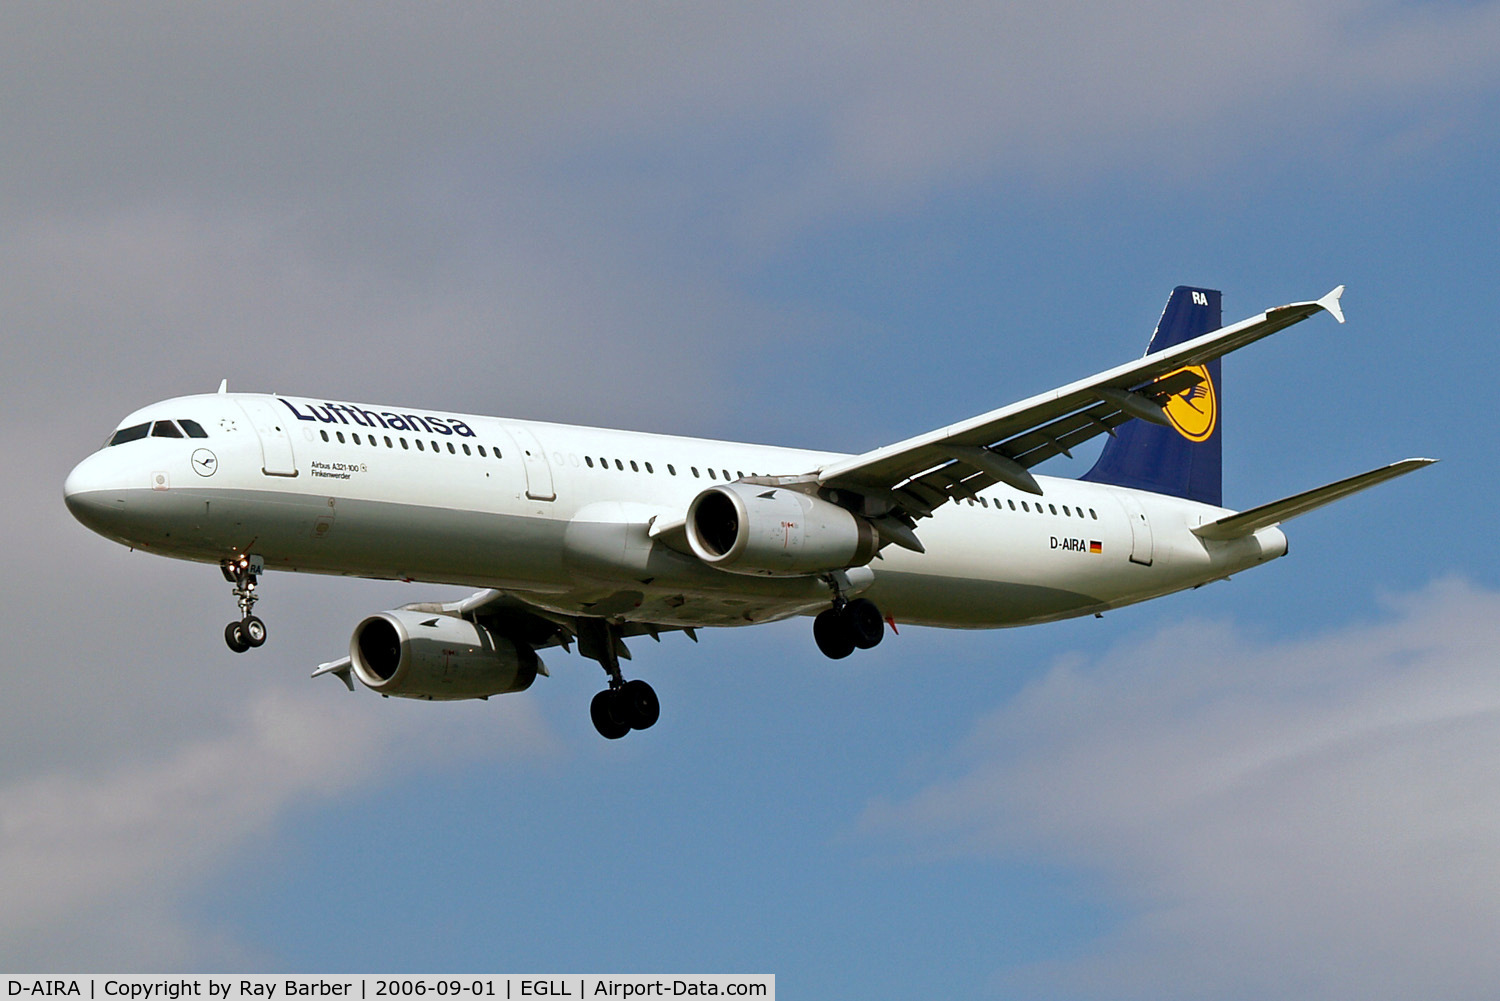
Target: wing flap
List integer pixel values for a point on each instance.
(1248, 522)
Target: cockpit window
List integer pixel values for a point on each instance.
(165, 429)
(133, 433)
(193, 429)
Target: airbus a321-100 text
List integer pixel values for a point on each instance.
(593, 536)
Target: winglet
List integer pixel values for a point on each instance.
(339, 669)
(1330, 302)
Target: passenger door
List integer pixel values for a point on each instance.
(275, 441)
(534, 461)
(1142, 543)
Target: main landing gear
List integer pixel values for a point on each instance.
(848, 625)
(249, 631)
(624, 705)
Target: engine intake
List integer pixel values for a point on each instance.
(775, 532)
(438, 657)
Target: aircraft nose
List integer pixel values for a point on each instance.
(91, 493)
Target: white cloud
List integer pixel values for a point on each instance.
(147, 302)
(101, 868)
(1311, 818)
(785, 109)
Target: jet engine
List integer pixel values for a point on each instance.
(775, 532)
(420, 655)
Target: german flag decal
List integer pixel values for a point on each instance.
(1096, 547)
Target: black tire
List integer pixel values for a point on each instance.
(234, 635)
(833, 635)
(866, 624)
(254, 630)
(605, 712)
(639, 705)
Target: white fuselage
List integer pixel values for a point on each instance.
(561, 515)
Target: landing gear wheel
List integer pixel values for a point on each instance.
(242, 572)
(254, 630)
(638, 704)
(605, 711)
(234, 635)
(833, 634)
(865, 624)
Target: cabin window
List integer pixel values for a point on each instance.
(649, 469)
(451, 449)
(695, 472)
(633, 467)
(738, 472)
(726, 476)
(497, 453)
(1012, 504)
(436, 447)
(1025, 508)
(1093, 515)
(482, 453)
(1052, 508)
(1066, 512)
(133, 433)
(193, 429)
(713, 475)
(388, 442)
(620, 465)
(588, 460)
(355, 435)
(671, 469)
(404, 444)
(323, 433)
(165, 429)
(420, 446)
(466, 449)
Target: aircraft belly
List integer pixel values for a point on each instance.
(527, 555)
(969, 603)
(983, 568)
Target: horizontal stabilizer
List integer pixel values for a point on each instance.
(1248, 522)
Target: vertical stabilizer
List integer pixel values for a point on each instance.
(1185, 458)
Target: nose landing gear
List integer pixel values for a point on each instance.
(249, 631)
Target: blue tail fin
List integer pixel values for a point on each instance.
(1186, 459)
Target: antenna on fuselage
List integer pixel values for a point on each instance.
(223, 386)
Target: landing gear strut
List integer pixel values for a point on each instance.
(848, 625)
(249, 631)
(624, 705)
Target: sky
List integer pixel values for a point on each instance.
(815, 224)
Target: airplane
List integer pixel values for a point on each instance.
(594, 536)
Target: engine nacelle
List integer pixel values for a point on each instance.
(422, 655)
(775, 532)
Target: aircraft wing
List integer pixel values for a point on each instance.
(909, 479)
(511, 616)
